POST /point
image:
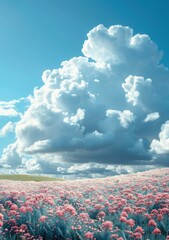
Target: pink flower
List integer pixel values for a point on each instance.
(69, 208)
(159, 217)
(23, 209)
(114, 236)
(29, 209)
(124, 214)
(23, 227)
(14, 207)
(128, 210)
(9, 203)
(84, 216)
(101, 214)
(131, 222)
(98, 206)
(89, 235)
(156, 231)
(152, 223)
(111, 197)
(137, 235)
(60, 213)
(139, 229)
(43, 218)
(123, 219)
(1, 223)
(1, 216)
(164, 210)
(107, 225)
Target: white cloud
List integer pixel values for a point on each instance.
(131, 87)
(125, 117)
(95, 108)
(161, 146)
(9, 127)
(8, 112)
(8, 108)
(10, 156)
(152, 117)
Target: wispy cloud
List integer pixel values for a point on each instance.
(152, 117)
(9, 127)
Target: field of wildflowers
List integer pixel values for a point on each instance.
(133, 206)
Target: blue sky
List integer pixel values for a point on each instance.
(39, 35)
(36, 35)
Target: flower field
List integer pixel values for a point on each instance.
(133, 206)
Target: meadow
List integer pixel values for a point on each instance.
(27, 177)
(125, 207)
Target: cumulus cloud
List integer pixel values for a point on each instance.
(131, 87)
(125, 117)
(98, 108)
(10, 156)
(161, 146)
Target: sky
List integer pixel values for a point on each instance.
(84, 86)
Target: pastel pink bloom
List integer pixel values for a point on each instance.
(164, 210)
(154, 211)
(156, 231)
(82, 209)
(70, 209)
(124, 214)
(60, 213)
(114, 236)
(29, 209)
(27, 235)
(123, 201)
(51, 201)
(23, 227)
(111, 210)
(89, 235)
(159, 217)
(101, 214)
(152, 223)
(84, 216)
(1, 223)
(12, 212)
(107, 225)
(9, 203)
(14, 207)
(106, 204)
(128, 210)
(123, 219)
(137, 235)
(139, 229)
(111, 197)
(98, 206)
(120, 238)
(1, 216)
(23, 209)
(131, 222)
(130, 196)
(43, 218)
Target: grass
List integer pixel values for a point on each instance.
(26, 177)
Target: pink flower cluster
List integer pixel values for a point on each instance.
(115, 208)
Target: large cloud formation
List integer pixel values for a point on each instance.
(109, 106)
